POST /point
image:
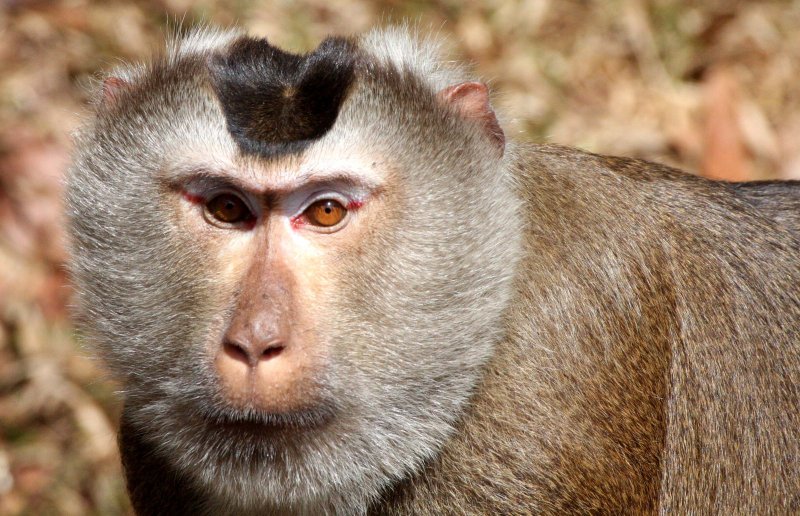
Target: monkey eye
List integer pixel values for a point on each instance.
(325, 213)
(228, 208)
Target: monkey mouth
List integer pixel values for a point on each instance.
(260, 422)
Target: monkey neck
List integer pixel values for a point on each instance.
(155, 487)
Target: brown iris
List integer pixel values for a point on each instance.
(325, 213)
(228, 208)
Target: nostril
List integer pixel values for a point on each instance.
(250, 355)
(236, 351)
(271, 352)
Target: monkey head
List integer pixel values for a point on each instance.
(296, 265)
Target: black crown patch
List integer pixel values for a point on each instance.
(276, 102)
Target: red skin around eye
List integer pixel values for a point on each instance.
(195, 199)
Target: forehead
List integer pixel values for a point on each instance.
(202, 143)
(319, 164)
(270, 116)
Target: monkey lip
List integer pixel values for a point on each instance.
(263, 424)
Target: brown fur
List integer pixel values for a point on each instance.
(652, 360)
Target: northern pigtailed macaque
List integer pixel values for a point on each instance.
(330, 285)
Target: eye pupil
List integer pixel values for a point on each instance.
(325, 213)
(228, 208)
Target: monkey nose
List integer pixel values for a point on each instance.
(252, 351)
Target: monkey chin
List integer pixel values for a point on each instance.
(268, 460)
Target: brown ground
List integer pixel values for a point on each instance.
(710, 88)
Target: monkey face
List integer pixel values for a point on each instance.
(299, 311)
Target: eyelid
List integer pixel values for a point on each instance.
(203, 193)
(321, 195)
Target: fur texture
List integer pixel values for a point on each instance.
(652, 357)
(408, 346)
(627, 336)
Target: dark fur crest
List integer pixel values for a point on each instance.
(276, 102)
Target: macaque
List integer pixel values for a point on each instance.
(329, 284)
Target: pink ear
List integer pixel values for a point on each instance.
(112, 87)
(471, 101)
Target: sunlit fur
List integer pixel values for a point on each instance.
(551, 332)
(419, 300)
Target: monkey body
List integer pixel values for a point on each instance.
(638, 374)
(488, 329)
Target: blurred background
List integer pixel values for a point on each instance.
(708, 86)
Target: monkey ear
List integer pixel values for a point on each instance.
(112, 89)
(471, 101)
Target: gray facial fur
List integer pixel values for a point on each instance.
(416, 340)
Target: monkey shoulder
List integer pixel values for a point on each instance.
(778, 200)
(608, 191)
